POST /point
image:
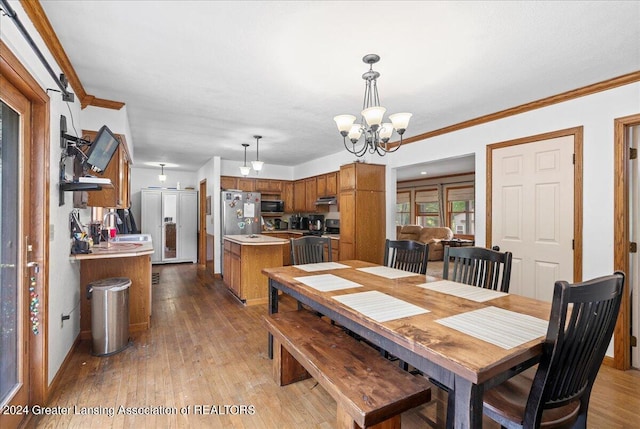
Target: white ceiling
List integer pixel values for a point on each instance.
(200, 78)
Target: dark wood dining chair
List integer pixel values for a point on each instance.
(478, 266)
(556, 394)
(407, 255)
(310, 250)
(475, 266)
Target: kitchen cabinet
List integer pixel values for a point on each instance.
(311, 194)
(321, 188)
(171, 218)
(287, 196)
(362, 212)
(268, 186)
(332, 185)
(243, 264)
(246, 185)
(119, 172)
(228, 182)
(299, 196)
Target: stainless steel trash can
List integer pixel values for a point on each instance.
(109, 315)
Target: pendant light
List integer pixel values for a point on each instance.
(257, 164)
(244, 170)
(162, 177)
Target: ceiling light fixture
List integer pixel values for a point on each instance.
(244, 170)
(162, 177)
(376, 133)
(257, 164)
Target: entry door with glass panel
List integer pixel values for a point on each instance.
(13, 291)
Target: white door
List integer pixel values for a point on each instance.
(188, 226)
(532, 213)
(151, 221)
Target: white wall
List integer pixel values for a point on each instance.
(595, 113)
(64, 275)
(145, 177)
(93, 118)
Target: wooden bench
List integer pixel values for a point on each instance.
(370, 391)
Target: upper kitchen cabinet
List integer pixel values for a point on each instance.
(246, 185)
(288, 196)
(119, 172)
(268, 186)
(311, 194)
(228, 182)
(299, 196)
(361, 176)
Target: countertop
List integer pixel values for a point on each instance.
(116, 250)
(299, 232)
(255, 240)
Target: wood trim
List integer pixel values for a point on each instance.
(533, 105)
(202, 233)
(621, 182)
(37, 221)
(577, 133)
(39, 19)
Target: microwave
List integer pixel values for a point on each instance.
(272, 206)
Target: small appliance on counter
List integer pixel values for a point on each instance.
(316, 223)
(281, 224)
(332, 226)
(294, 220)
(304, 223)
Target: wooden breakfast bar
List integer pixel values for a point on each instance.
(131, 260)
(465, 342)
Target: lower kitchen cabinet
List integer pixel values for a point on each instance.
(242, 267)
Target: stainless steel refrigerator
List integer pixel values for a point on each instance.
(239, 215)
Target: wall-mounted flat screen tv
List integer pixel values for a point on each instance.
(102, 149)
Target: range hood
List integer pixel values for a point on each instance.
(326, 201)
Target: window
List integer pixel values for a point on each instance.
(403, 208)
(461, 210)
(427, 208)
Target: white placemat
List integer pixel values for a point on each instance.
(503, 328)
(327, 282)
(379, 306)
(387, 272)
(462, 290)
(321, 266)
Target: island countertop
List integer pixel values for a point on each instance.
(255, 240)
(116, 250)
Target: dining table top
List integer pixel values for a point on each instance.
(424, 331)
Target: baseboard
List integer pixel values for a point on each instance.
(67, 359)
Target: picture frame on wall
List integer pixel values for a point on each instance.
(209, 205)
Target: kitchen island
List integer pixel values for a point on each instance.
(244, 258)
(124, 259)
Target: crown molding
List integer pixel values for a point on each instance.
(38, 17)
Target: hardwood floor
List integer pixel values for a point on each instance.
(206, 350)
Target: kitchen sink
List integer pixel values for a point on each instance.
(128, 238)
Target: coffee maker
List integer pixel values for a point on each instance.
(294, 220)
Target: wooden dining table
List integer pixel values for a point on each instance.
(420, 331)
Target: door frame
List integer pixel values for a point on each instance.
(621, 335)
(36, 222)
(577, 133)
(202, 236)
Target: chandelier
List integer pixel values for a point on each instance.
(376, 133)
